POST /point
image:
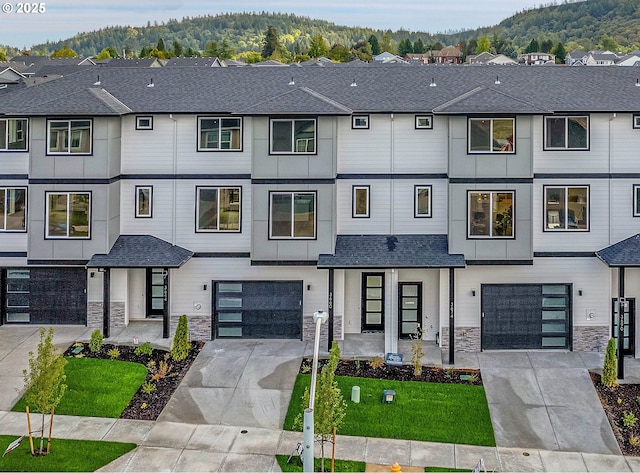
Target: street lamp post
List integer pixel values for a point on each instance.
(319, 318)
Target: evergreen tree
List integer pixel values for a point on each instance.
(160, 46)
(533, 47)
(560, 52)
(181, 345)
(191, 52)
(387, 43)
(318, 46)
(437, 46)
(145, 51)
(472, 45)
(271, 43)
(546, 46)
(610, 367)
(405, 47)
(177, 48)
(419, 47)
(375, 46)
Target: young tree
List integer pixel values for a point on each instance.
(375, 46)
(387, 43)
(560, 53)
(181, 344)
(177, 48)
(44, 381)
(330, 407)
(610, 367)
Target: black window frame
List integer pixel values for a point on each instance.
(566, 117)
(293, 120)
(218, 189)
(354, 189)
(68, 235)
(415, 201)
(70, 135)
(26, 133)
(199, 148)
(139, 126)
(491, 236)
(565, 214)
(511, 144)
(138, 214)
(293, 195)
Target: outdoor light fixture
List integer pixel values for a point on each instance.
(388, 396)
(473, 292)
(204, 287)
(579, 292)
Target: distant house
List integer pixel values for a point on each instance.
(532, 59)
(448, 55)
(631, 59)
(388, 58)
(133, 62)
(597, 57)
(482, 58)
(417, 58)
(193, 62)
(491, 59)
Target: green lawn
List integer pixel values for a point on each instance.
(97, 388)
(340, 465)
(434, 412)
(65, 455)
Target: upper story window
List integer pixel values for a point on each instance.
(13, 209)
(566, 208)
(218, 209)
(636, 200)
(360, 202)
(144, 201)
(422, 202)
(491, 214)
(292, 215)
(219, 134)
(491, 135)
(68, 215)
(566, 133)
(13, 134)
(293, 136)
(69, 136)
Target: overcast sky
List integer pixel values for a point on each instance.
(64, 18)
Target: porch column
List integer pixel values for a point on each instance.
(330, 308)
(620, 322)
(166, 316)
(106, 302)
(452, 325)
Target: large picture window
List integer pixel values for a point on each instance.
(13, 211)
(69, 137)
(566, 208)
(566, 133)
(491, 214)
(68, 214)
(13, 134)
(293, 136)
(218, 209)
(292, 215)
(491, 135)
(219, 134)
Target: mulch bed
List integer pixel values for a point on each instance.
(364, 369)
(155, 402)
(616, 401)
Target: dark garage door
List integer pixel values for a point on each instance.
(526, 316)
(257, 309)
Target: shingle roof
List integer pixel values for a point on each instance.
(623, 253)
(288, 103)
(391, 251)
(141, 251)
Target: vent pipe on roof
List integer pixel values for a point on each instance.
(637, 82)
(354, 84)
(433, 83)
(292, 82)
(497, 82)
(97, 82)
(150, 84)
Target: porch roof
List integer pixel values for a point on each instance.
(391, 251)
(141, 251)
(623, 253)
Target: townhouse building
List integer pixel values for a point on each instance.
(496, 208)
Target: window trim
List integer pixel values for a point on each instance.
(490, 150)
(26, 210)
(293, 194)
(416, 188)
(46, 215)
(218, 150)
(513, 214)
(293, 153)
(197, 209)
(565, 148)
(26, 141)
(636, 207)
(566, 188)
(139, 126)
(356, 126)
(427, 126)
(69, 152)
(138, 214)
(354, 190)
(636, 121)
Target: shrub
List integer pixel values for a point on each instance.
(161, 371)
(114, 353)
(181, 345)
(609, 370)
(148, 387)
(144, 349)
(95, 344)
(629, 419)
(376, 362)
(634, 441)
(416, 352)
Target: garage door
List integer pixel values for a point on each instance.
(526, 316)
(257, 309)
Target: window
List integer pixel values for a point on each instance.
(491, 214)
(219, 134)
(13, 134)
(360, 121)
(360, 207)
(17, 295)
(491, 135)
(636, 121)
(424, 122)
(422, 202)
(69, 137)
(13, 209)
(293, 215)
(218, 209)
(566, 208)
(293, 136)
(144, 123)
(144, 203)
(566, 133)
(68, 214)
(636, 200)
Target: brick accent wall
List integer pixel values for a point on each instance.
(94, 315)
(467, 339)
(309, 330)
(199, 327)
(590, 338)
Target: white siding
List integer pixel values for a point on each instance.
(625, 142)
(623, 223)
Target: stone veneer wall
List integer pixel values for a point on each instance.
(467, 339)
(590, 338)
(199, 327)
(117, 311)
(309, 330)
(94, 315)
